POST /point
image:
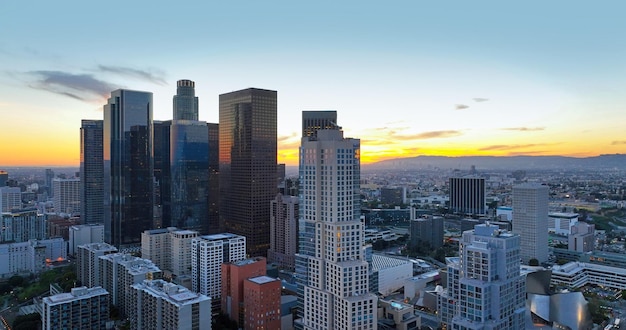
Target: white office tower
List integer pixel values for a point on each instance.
(82, 308)
(10, 198)
(208, 253)
(530, 220)
(85, 234)
(163, 305)
(336, 295)
(66, 195)
(169, 249)
(88, 270)
(491, 292)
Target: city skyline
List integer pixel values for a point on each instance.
(412, 79)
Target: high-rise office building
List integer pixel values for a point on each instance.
(284, 231)
(247, 159)
(312, 121)
(82, 308)
(492, 292)
(10, 199)
(467, 195)
(49, 177)
(91, 172)
(336, 294)
(214, 179)
(185, 101)
(207, 255)
(161, 305)
(530, 220)
(128, 167)
(66, 195)
(162, 174)
(261, 303)
(4, 177)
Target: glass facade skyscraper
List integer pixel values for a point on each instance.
(312, 121)
(91, 172)
(128, 167)
(185, 100)
(247, 163)
(162, 174)
(214, 177)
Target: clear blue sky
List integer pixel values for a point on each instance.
(407, 77)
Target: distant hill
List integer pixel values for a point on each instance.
(602, 162)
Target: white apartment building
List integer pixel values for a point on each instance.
(22, 225)
(84, 234)
(120, 271)
(66, 198)
(491, 291)
(88, 262)
(30, 257)
(10, 198)
(169, 249)
(162, 305)
(530, 220)
(337, 295)
(207, 255)
(82, 308)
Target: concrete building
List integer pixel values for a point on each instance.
(283, 231)
(467, 195)
(247, 164)
(561, 223)
(22, 225)
(261, 303)
(335, 279)
(492, 291)
(10, 199)
(119, 271)
(582, 237)
(530, 220)
(82, 308)
(88, 265)
(30, 257)
(169, 249)
(84, 234)
(574, 275)
(233, 276)
(394, 314)
(66, 198)
(163, 305)
(208, 253)
(393, 195)
(4, 177)
(426, 229)
(388, 274)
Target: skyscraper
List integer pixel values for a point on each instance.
(284, 229)
(491, 292)
(467, 195)
(336, 293)
(49, 177)
(530, 220)
(185, 101)
(128, 167)
(162, 173)
(66, 195)
(247, 160)
(214, 179)
(91, 172)
(312, 121)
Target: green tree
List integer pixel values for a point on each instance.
(533, 262)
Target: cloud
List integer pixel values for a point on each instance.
(509, 146)
(524, 129)
(82, 87)
(461, 106)
(433, 135)
(480, 99)
(287, 137)
(151, 76)
(616, 143)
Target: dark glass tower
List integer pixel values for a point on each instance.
(214, 176)
(162, 174)
(185, 101)
(128, 167)
(247, 162)
(312, 121)
(91, 172)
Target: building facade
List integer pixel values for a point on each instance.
(169, 249)
(88, 263)
(82, 308)
(337, 273)
(10, 199)
(247, 164)
(128, 167)
(425, 230)
(283, 231)
(467, 195)
(312, 121)
(233, 276)
(22, 225)
(66, 195)
(261, 303)
(84, 234)
(530, 220)
(91, 172)
(582, 237)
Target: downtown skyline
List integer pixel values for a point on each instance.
(411, 79)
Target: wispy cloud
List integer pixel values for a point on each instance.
(287, 137)
(510, 146)
(82, 87)
(153, 76)
(480, 99)
(524, 129)
(433, 135)
(616, 143)
(461, 106)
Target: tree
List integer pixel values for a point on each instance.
(533, 262)
(16, 280)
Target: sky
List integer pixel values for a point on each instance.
(409, 78)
